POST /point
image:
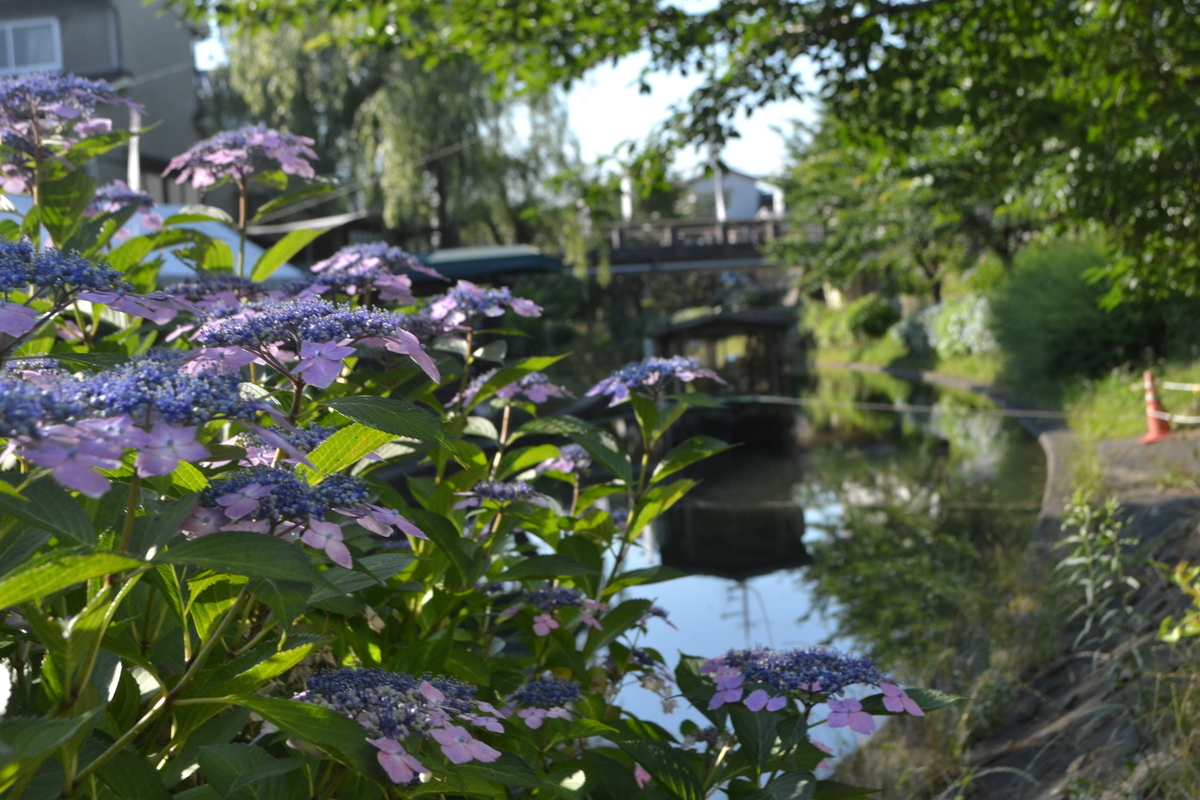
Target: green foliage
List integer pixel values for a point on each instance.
(868, 317)
(1049, 325)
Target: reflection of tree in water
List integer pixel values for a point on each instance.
(912, 577)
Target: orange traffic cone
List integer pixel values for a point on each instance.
(1158, 427)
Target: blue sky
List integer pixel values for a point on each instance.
(605, 110)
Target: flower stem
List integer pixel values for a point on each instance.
(135, 490)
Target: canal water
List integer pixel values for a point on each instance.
(797, 536)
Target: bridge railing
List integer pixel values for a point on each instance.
(686, 239)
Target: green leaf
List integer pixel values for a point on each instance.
(130, 775)
(655, 502)
(607, 451)
(130, 253)
(49, 507)
(156, 529)
(615, 623)
(88, 148)
(927, 699)
(340, 736)
(30, 738)
(243, 553)
(198, 212)
(223, 765)
(564, 425)
(189, 478)
(798, 784)
(832, 790)
(97, 360)
(283, 201)
(347, 581)
(287, 599)
(343, 448)
(397, 417)
(668, 766)
(62, 203)
(20, 543)
(645, 575)
(694, 449)
(221, 729)
(755, 732)
(442, 533)
(268, 663)
(282, 250)
(59, 570)
(546, 566)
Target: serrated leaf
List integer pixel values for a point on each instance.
(283, 201)
(545, 566)
(49, 507)
(668, 766)
(564, 425)
(397, 417)
(243, 553)
(797, 784)
(694, 449)
(340, 736)
(344, 448)
(57, 571)
(606, 451)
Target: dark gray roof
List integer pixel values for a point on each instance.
(477, 263)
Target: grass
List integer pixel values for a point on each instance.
(1112, 407)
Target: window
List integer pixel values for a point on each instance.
(30, 45)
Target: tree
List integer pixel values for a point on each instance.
(1084, 110)
(859, 207)
(434, 151)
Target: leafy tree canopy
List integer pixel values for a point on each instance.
(1082, 110)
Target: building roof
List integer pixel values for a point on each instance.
(478, 263)
(728, 323)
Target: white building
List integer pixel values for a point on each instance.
(745, 196)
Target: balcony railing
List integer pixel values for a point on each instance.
(690, 239)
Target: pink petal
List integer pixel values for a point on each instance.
(861, 722)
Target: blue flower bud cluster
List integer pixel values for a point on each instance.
(308, 320)
(117, 195)
(504, 492)
(388, 704)
(33, 365)
(799, 669)
(303, 439)
(153, 386)
(552, 597)
(23, 97)
(205, 285)
(21, 267)
(291, 499)
(547, 693)
(23, 406)
(422, 326)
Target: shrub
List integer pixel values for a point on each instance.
(868, 317)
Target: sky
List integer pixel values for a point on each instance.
(605, 109)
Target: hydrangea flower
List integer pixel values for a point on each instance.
(46, 111)
(551, 598)
(395, 707)
(365, 267)
(261, 445)
(544, 699)
(239, 155)
(212, 291)
(115, 197)
(466, 303)
(316, 332)
(276, 501)
(25, 405)
(572, 459)
(502, 493)
(897, 700)
(534, 387)
(848, 712)
(650, 374)
(60, 277)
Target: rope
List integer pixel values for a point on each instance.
(1185, 387)
(1178, 418)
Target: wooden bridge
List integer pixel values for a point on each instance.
(691, 244)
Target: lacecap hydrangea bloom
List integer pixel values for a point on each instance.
(368, 267)
(45, 111)
(277, 502)
(572, 459)
(543, 699)
(652, 375)
(61, 277)
(397, 709)
(318, 333)
(117, 197)
(534, 387)
(551, 598)
(240, 155)
(500, 493)
(463, 305)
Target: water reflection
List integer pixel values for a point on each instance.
(810, 530)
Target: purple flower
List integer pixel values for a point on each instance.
(501, 493)
(242, 502)
(116, 197)
(544, 623)
(322, 363)
(364, 266)
(650, 374)
(167, 447)
(460, 747)
(74, 460)
(327, 536)
(849, 712)
(16, 319)
(467, 302)
(641, 776)
(572, 459)
(401, 767)
(536, 388)
(242, 154)
(759, 699)
(897, 700)
(381, 521)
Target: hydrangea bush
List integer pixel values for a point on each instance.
(315, 542)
